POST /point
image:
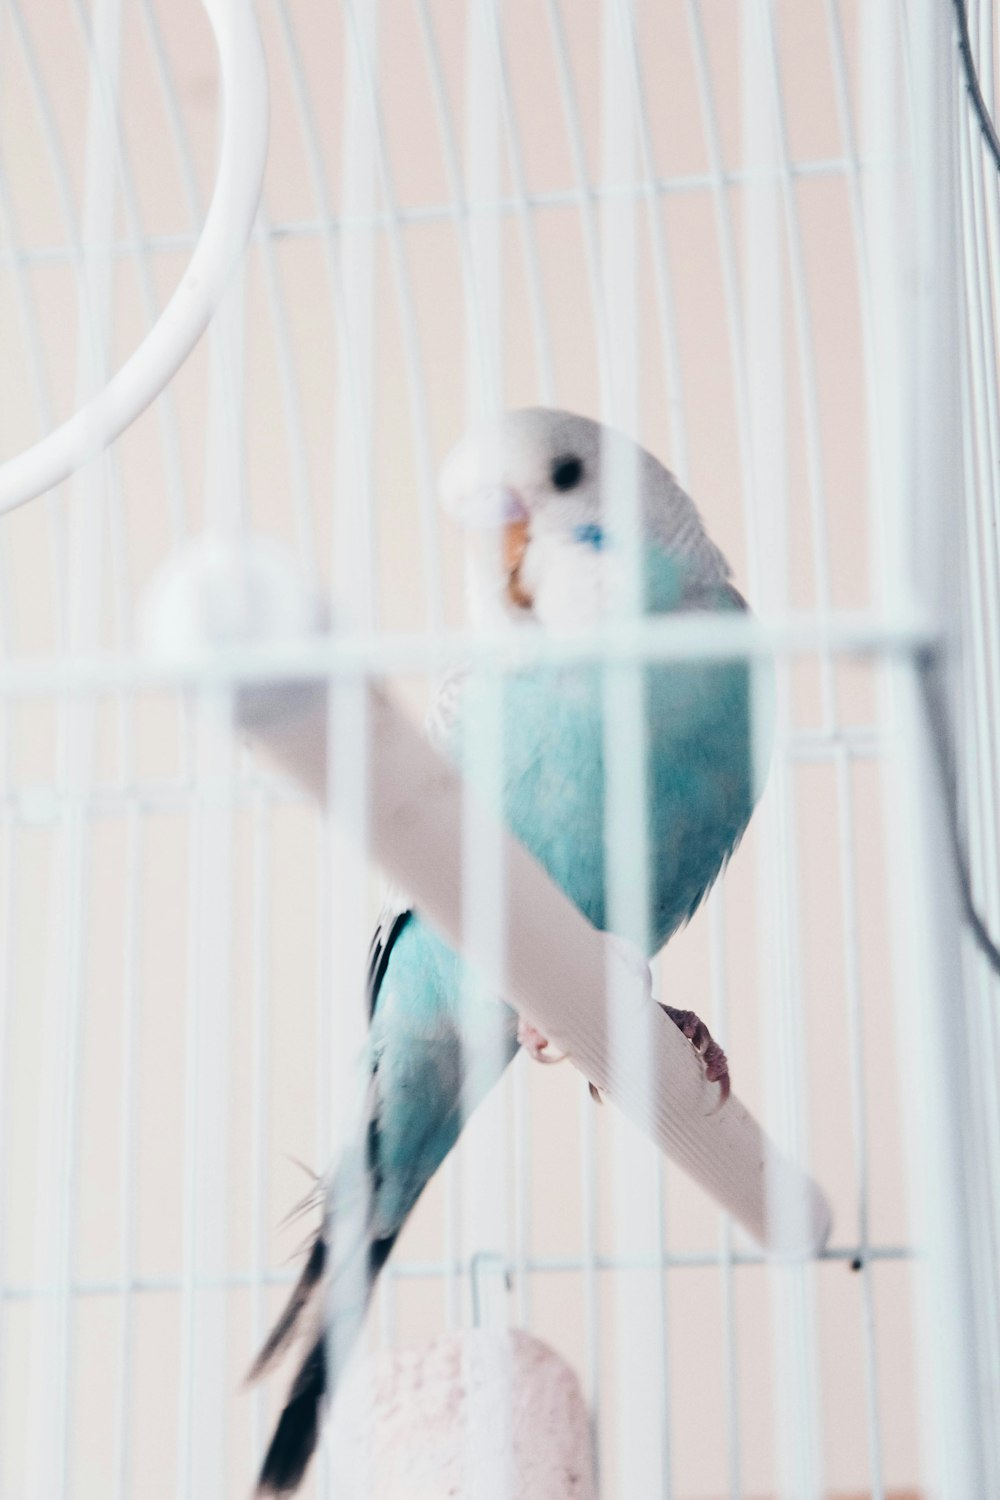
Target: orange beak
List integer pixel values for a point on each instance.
(515, 543)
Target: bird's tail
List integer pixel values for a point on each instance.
(333, 1306)
(281, 1334)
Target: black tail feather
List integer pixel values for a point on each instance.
(281, 1334)
(295, 1436)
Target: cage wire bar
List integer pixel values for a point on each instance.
(354, 599)
(980, 623)
(798, 1439)
(931, 391)
(943, 1133)
(977, 619)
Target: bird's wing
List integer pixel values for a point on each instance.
(395, 913)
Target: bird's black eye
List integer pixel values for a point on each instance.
(567, 472)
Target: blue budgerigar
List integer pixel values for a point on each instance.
(531, 493)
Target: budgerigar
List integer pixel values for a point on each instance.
(544, 554)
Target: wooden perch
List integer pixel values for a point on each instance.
(556, 965)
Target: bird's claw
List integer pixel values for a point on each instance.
(712, 1055)
(536, 1045)
(691, 1025)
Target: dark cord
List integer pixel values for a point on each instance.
(929, 667)
(986, 125)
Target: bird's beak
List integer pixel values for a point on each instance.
(493, 514)
(501, 551)
(515, 543)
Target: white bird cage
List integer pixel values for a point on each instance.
(764, 238)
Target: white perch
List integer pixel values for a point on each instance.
(556, 966)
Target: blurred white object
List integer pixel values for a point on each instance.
(213, 593)
(216, 593)
(468, 1416)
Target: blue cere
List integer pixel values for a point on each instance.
(590, 535)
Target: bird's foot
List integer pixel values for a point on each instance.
(537, 1048)
(536, 1045)
(698, 1034)
(693, 1027)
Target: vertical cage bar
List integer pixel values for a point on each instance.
(727, 1270)
(946, 1189)
(797, 1431)
(202, 1405)
(851, 939)
(641, 1409)
(128, 1147)
(260, 1089)
(978, 688)
(50, 1441)
(484, 1181)
(203, 1450)
(9, 870)
(343, 1011)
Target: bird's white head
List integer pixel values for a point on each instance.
(535, 492)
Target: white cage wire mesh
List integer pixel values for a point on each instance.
(765, 239)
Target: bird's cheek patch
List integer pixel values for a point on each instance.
(571, 591)
(590, 535)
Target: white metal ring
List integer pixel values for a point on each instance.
(243, 79)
